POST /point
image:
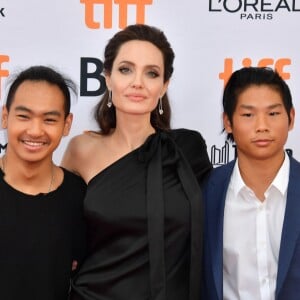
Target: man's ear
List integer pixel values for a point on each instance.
(292, 118)
(4, 117)
(226, 123)
(68, 124)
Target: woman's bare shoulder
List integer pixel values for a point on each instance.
(83, 142)
(80, 150)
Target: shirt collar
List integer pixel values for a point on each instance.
(280, 181)
(236, 182)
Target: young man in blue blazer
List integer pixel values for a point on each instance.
(252, 238)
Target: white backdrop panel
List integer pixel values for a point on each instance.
(55, 33)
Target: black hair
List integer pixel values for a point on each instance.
(42, 73)
(241, 79)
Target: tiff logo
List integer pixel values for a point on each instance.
(278, 64)
(2, 14)
(92, 23)
(3, 72)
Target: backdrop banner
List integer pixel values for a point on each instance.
(211, 39)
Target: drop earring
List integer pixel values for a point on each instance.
(109, 100)
(160, 108)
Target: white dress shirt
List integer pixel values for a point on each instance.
(252, 234)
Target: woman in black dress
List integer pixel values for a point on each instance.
(143, 205)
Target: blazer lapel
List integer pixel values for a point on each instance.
(291, 224)
(216, 196)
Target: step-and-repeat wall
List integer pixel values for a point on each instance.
(211, 39)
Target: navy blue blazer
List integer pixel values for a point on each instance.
(288, 276)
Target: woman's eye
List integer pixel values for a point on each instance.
(153, 74)
(124, 70)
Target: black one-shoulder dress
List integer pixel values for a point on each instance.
(144, 217)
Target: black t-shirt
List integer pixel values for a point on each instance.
(40, 236)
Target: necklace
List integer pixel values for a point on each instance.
(3, 165)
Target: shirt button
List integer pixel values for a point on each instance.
(265, 280)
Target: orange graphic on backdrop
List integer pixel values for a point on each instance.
(108, 12)
(278, 65)
(3, 73)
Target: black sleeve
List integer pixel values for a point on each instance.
(194, 148)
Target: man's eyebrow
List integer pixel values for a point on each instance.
(275, 105)
(247, 106)
(272, 106)
(53, 113)
(26, 109)
(22, 108)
